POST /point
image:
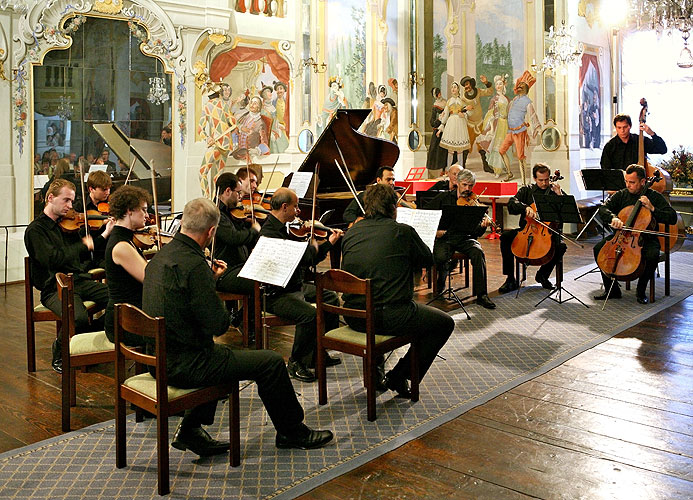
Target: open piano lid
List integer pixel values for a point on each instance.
(363, 154)
(126, 148)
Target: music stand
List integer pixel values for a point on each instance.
(559, 209)
(459, 220)
(423, 198)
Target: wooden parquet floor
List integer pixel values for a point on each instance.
(613, 422)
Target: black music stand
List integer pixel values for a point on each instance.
(459, 220)
(562, 210)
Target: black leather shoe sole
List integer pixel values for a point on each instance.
(57, 365)
(315, 439)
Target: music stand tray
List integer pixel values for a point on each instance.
(597, 179)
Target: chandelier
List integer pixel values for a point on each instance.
(65, 108)
(19, 6)
(157, 90)
(563, 50)
(667, 15)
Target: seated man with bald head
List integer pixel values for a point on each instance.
(449, 183)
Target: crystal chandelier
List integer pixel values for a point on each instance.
(65, 108)
(157, 90)
(19, 6)
(563, 50)
(667, 15)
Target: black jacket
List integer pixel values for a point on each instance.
(618, 154)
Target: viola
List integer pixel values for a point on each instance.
(74, 221)
(621, 256)
(146, 238)
(473, 201)
(301, 229)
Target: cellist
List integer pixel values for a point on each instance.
(662, 213)
(520, 204)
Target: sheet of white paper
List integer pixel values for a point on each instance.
(273, 260)
(424, 222)
(40, 180)
(95, 167)
(300, 182)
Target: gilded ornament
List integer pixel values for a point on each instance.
(108, 6)
(217, 38)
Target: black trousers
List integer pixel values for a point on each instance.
(296, 306)
(443, 249)
(506, 241)
(85, 289)
(223, 364)
(431, 327)
(650, 252)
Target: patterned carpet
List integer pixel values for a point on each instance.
(486, 356)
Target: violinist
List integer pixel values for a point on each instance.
(450, 182)
(51, 251)
(520, 204)
(447, 242)
(662, 213)
(234, 239)
(622, 149)
(247, 179)
(384, 175)
(389, 253)
(99, 186)
(124, 262)
(294, 302)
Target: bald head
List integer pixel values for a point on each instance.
(284, 204)
(452, 175)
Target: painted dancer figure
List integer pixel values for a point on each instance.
(471, 99)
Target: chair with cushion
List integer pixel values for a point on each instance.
(155, 396)
(245, 306)
(34, 314)
(90, 348)
(370, 346)
(269, 320)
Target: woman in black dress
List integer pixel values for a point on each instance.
(437, 156)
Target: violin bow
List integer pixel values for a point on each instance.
(315, 196)
(214, 238)
(347, 179)
(269, 180)
(84, 205)
(403, 193)
(250, 188)
(132, 165)
(156, 206)
(351, 188)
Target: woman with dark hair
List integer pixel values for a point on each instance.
(437, 156)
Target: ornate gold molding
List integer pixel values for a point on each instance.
(108, 6)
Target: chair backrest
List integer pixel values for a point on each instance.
(66, 294)
(28, 285)
(343, 282)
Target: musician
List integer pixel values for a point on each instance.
(179, 286)
(124, 262)
(293, 302)
(99, 187)
(384, 175)
(447, 242)
(450, 182)
(520, 204)
(247, 180)
(622, 149)
(388, 253)
(234, 240)
(50, 251)
(662, 213)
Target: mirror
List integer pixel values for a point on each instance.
(550, 138)
(414, 140)
(305, 140)
(103, 77)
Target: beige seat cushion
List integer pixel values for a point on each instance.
(89, 342)
(346, 334)
(42, 308)
(146, 384)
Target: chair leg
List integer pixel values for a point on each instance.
(162, 454)
(30, 344)
(368, 375)
(466, 272)
(414, 370)
(121, 452)
(321, 372)
(66, 399)
(652, 288)
(73, 387)
(246, 321)
(234, 428)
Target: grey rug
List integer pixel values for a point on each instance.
(485, 357)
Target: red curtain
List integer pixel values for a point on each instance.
(225, 62)
(586, 60)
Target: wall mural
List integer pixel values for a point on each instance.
(590, 102)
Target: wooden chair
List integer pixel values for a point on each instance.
(34, 314)
(245, 304)
(270, 320)
(155, 396)
(463, 259)
(85, 349)
(369, 346)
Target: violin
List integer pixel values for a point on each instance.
(74, 221)
(621, 256)
(244, 212)
(258, 201)
(104, 208)
(146, 238)
(534, 245)
(473, 201)
(301, 229)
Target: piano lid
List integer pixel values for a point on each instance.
(363, 154)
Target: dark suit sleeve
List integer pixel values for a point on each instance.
(606, 161)
(230, 236)
(656, 145)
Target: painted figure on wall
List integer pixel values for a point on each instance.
(253, 132)
(372, 123)
(589, 99)
(453, 131)
(495, 128)
(216, 127)
(471, 99)
(437, 156)
(523, 124)
(279, 138)
(388, 121)
(335, 100)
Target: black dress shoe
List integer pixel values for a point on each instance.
(509, 285)
(485, 301)
(380, 377)
(198, 441)
(399, 385)
(642, 299)
(304, 440)
(545, 283)
(57, 362)
(605, 295)
(298, 371)
(329, 361)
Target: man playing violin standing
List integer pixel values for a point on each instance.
(661, 212)
(447, 242)
(520, 204)
(99, 186)
(622, 149)
(51, 251)
(384, 175)
(294, 302)
(234, 240)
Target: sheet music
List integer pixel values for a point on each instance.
(273, 260)
(424, 222)
(300, 181)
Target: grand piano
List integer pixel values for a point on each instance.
(362, 154)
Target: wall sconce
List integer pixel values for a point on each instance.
(415, 79)
(317, 68)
